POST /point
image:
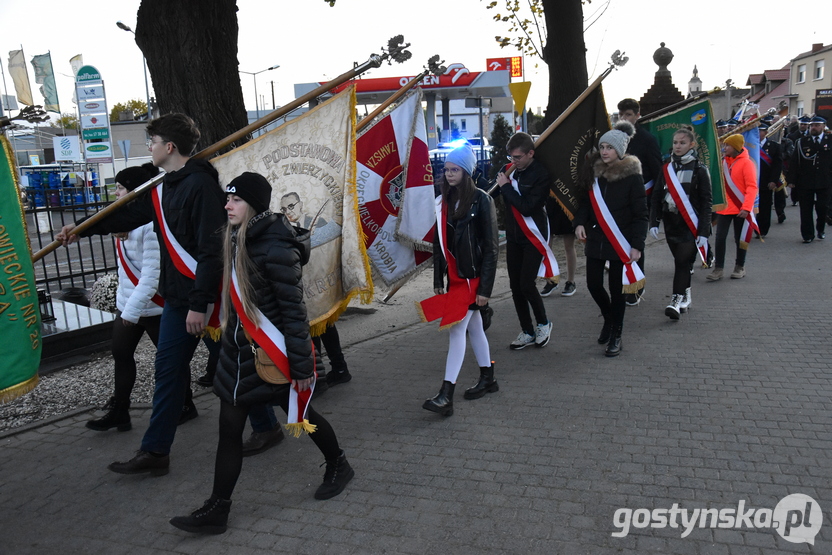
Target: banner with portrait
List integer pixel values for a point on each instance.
(310, 163)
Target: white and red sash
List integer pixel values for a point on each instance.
(750, 224)
(132, 273)
(549, 265)
(268, 337)
(184, 262)
(632, 278)
(648, 187)
(677, 192)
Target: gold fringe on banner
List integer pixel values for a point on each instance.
(11, 393)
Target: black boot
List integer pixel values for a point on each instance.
(212, 518)
(606, 331)
(443, 403)
(338, 473)
(118, 416)
(614, 346)
(486, 384)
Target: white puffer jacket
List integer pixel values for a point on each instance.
(142, 249)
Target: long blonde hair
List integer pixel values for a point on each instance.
(245, 270)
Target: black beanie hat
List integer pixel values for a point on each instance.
(252, 188)
(134, 176)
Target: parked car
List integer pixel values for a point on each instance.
(442, 149)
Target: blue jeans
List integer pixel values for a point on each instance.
(173, 357)
(262, 418)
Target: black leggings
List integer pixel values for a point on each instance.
(611, 304)
(229, 460)
(125, 341)
(723, 225)
(684, 255)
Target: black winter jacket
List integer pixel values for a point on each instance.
(622, 188)
(644, 146)
(811, 164)
(276, 255)
(475, 245)
(699, 192)
(534, 183)
(192, 201)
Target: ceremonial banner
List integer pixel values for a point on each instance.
(46, 77)
(699, 115)
(310, 163)
(394, 183)
(564, 152)
(19, 310)
(20, 77)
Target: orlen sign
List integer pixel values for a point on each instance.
(513, 64)
(457, 75)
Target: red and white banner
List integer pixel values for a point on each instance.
(677, 192)
(394, 183)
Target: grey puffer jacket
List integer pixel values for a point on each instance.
(276, 254)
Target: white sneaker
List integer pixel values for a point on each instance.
(674, 309)
(542, 334)
(687, 301)
(523, 340)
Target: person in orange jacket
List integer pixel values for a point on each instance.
(742, 172)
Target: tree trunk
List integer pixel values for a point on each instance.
(191, 52)
(565, 54)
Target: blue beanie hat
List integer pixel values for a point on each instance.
(464, 158)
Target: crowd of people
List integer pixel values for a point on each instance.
(186, 248)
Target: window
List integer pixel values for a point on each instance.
(463, 125)
(818, 70)
(801, 73)
(799, 108)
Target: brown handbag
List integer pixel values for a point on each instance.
(266, 368)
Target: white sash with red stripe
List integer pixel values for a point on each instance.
(750, 224)
(648, 187)
(677, 191)
(268, 337)
(184, 262)
(549, 265)
(132, 273)
(632, 278)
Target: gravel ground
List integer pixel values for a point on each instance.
(88, 385)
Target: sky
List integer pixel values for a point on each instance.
(314, 42)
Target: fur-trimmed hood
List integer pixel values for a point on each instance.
(617, 170)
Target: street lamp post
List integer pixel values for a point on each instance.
(254, 76)
(127, 28)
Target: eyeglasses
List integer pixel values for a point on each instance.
(289, 207)
(452, 171)
(151, 142)
(517, 157)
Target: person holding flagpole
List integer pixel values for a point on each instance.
(612, 219)
(681, 201)
(465, 250)
(264, 314)
(741, 192)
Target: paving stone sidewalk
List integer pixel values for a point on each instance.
(729, 405)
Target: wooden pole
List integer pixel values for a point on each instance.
(374, 61)
(387, 103)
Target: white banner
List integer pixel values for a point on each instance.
(67, 149)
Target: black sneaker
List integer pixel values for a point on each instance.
(338, 474)
(188, 413)
(211, 518)
(569, 289)
(334, 378)
(632, 299)
(548, 289)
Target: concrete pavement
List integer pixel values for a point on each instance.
(728, 406)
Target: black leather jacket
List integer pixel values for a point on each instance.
(473, 241)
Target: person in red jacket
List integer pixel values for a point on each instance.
(742, 173)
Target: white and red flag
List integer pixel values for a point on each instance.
(394, 182)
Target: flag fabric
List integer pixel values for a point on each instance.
(310, 164)
(394, 182)
(699, 115)
(76, 62)
(46, 77)
(564, 152)
(19, 310)
(20, 77)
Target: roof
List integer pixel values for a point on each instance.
(772, 99)
(812, 53)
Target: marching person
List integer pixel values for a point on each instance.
(810, 174)
(612, 219)
(741, 188)
(771, 190)
(186, 211)
(681, 201)
(465, 250)
(560, 226)
(139, 306)
(263, 308)
(527, 238)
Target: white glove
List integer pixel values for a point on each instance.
(701, 242)
(654, 232)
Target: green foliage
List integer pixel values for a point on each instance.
(500, 135)
(136, 107)
(67, 121)
(524, 23)
(535, 123)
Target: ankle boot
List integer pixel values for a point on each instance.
(443, 403)
(211, 518)
(118, 416)
(338, 473)
(606, 330)
(614, 346)
(486, 383)
(687, 300)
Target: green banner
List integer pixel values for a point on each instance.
(19, 311)
(699, 115)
